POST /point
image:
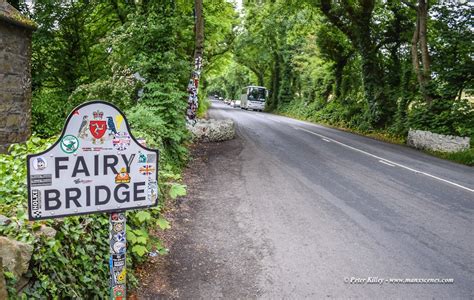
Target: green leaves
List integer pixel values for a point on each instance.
(163, 223)
(140, 250)
(138, 239)
(177, 190)
(143, 216)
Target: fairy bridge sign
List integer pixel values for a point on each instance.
(96, 166)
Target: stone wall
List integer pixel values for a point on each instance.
(212, 130)
(15, 76)
(432, 141)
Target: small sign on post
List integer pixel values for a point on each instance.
(96, 166)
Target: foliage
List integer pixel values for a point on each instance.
(119, 89)
(204, 105)
(452, 45)
(349, 63)
(233, 78)
(159, 116)
(451, 117)
(66, 49)
(48, 114)
(51, 107)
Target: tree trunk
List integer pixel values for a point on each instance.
(193, 85)
(420, 40)
(260, 74)
(275, 82)
(120, 15)
(338, 73)
(425, 56)
(380, 108)
(199, 29)
(260, 79)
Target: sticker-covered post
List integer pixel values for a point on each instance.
(118, 250)
(96, 166)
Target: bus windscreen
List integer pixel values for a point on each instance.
(257, 94)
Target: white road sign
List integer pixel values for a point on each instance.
(96, 166)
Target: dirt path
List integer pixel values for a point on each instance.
(210, 256)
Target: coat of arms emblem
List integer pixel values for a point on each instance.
(98, 127)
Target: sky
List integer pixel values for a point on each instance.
(239, 4)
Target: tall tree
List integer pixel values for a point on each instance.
(193, 84)
(419, 45)
(198, 29)
(354, 19)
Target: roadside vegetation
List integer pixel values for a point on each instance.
(375, 67)
(137, 55)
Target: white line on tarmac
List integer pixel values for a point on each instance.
(387, 161)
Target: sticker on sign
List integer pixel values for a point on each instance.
(96, 166)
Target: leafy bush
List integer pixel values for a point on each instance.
(160, 115)
(120, 89)
(444, 117)
(48, 111)
(333, 113)
(204, 105)
(50, 107)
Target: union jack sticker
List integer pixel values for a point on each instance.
(147, 170)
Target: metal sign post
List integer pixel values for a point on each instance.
(96, 166)
(118, 252)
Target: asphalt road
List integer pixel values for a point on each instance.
(293, 210)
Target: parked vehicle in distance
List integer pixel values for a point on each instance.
(220, 98)
(235, 103)
(253, 97)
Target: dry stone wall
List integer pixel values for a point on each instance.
(432, 141)
(15, 76)
(212, 130)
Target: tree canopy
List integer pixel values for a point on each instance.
(366, 64)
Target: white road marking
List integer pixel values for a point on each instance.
(387, 161)
(326, 140)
